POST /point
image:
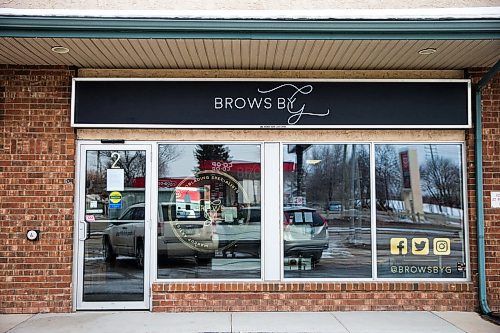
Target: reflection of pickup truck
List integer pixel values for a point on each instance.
(177, 237)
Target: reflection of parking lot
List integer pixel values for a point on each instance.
(348, 256)
(122, 281)
(236, 266)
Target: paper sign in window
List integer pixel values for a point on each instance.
(308, 217)
(298, 217)
(115, 180)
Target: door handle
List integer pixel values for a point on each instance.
(83, 229)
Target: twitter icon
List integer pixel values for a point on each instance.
(420, 246)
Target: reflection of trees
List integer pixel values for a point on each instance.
(220, 153)
(166, 155)
(324, 180)
(364, 177)
(133, 164)
(211, 153)
(441, 180)
(342, 175)
(387, 176)
(94, 182)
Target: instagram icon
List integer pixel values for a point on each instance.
(441, 246)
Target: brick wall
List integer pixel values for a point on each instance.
(312, 296)
(491, 178)
(37, 152)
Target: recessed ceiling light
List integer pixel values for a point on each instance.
(427, 51)
(60, 49)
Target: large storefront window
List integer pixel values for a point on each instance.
(420, 211)
(326, 211)
(209, 216)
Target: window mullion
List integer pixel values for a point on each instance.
(271, 238)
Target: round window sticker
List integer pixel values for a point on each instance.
(209, 211)
(115, 197)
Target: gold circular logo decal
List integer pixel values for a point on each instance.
(206, 206)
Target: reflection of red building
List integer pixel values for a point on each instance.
(187, 194)
(232, 167)
(240, 166)
(162, 182)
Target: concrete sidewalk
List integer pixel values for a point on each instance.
(289, 322)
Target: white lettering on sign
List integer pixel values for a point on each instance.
(296, 110)
(230, 103)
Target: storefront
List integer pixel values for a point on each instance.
(158, 212)
(265, 190)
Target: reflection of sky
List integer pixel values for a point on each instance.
(447, 151)
(185, 163)
(308, 153)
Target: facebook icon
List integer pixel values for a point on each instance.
(399, 246)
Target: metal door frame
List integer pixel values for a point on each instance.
(78, 245)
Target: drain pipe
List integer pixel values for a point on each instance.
(483, 301)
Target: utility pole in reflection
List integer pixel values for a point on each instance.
(299, 150)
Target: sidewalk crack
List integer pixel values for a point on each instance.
(10, 329)
(449, 322)
(340, 322)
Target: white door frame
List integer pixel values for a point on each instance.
(78, 256)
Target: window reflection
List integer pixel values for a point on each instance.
(114, 213)
(326, 217)
(420, 211)
(209, 216)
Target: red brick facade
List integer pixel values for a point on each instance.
(37, 153)
(313, 296)
(491, 178)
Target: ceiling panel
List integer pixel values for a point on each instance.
(251, 54)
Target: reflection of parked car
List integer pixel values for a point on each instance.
(179, 237)
(187, 214)
(125, 236)
(334, 206)
(305, 233)
(187, 235)
(241, 235)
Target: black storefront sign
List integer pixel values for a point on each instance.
(177, 103)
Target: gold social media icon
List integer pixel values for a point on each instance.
(420, 246)
(399, 246)
(441, 246)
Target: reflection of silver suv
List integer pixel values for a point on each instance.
(185, 233)
(125, 236)
(177, 237)
(305, 233)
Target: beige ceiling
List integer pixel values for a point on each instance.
(250, 54)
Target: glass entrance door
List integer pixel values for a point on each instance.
(113, 216)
